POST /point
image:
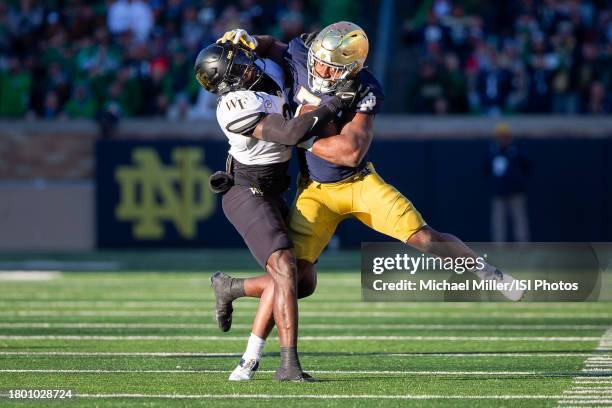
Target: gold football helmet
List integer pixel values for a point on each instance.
(341, 47)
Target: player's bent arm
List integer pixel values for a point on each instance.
(276, 128)
(270, 47)
(350, 146)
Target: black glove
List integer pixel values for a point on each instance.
(351, 92)
(220, 182)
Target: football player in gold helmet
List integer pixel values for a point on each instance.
(337, 181)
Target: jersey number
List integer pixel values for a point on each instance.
(304, 97)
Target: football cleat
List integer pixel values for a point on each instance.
(292, 374)
(221, 284)
(512, 293)
(245, 370)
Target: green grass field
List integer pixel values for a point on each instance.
(148, 339)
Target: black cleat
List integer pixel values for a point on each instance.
(307, 377)
(221, 284)
(294, 374)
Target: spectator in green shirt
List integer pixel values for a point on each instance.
(81, 104)
(15, 85)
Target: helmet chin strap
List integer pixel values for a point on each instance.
(324, 85)
(321, 85)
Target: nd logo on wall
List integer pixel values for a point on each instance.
(155, 193)
(152, 192)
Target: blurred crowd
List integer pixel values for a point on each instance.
(548, 56)
(121, 58)
(125, 58)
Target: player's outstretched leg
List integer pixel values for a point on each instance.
(493, 274)
(449, 246)
(282, 266)
(264, 320)
(226, 290)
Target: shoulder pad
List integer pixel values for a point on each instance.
(372, 102)
(240, 111)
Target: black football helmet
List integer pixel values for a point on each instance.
(222, 68)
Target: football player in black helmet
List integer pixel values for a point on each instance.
(221, 68)
(336, 166)
(252, 104)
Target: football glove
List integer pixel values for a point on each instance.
(239, 36)
(351, 92)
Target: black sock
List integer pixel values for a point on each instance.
(289, 358)
(237, 288)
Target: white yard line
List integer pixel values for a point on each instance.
(29, 301)
(36, 298)
(47, 264)
(594, 381)
(340, 372)
(196, 354)
(343, 314)
(319, 396)
(115, 354)
(596, 365)
(305, 338)
(590, 391)
(321, 326)
(29, 275)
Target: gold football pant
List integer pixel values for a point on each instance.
(320, 207)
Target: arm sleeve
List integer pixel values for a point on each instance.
(277, 129)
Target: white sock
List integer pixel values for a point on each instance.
(254, 348)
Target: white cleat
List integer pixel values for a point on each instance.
(512, 292)
(245, 370)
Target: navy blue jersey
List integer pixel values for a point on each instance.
(318, 169)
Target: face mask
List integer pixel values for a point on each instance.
(324, 85)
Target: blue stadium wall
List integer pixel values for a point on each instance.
(569, 191)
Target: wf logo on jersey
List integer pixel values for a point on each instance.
(235, 103)
(152, 193)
